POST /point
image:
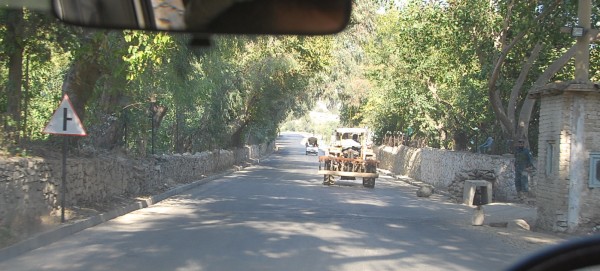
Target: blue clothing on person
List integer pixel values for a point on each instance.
(487, 146)
(523, 162)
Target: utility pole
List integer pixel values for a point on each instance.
(578, 147)
(582, 54)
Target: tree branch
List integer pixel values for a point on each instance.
(516, 90)
(527, 108)
(518, 38)
(506, 25)
(433, 89)
(494, 96)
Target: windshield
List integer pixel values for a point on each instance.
(424, 135)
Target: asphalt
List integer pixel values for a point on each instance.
(500, 218)
(513, 221)
(71, 227)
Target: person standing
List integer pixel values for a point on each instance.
(487, 146)
(523, 164)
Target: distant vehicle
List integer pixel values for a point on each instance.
(349, 156)
(312, 146)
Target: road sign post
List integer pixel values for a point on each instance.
(64, 122)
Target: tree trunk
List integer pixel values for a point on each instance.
(517, 88)
(528, 104)
(460, 141)
(237, 138)
(522, 128)
(502, 114)
(109, 118)
(14, 45)
(80, 82)
(178, 136)
(81, 78)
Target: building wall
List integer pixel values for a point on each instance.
(553, 163)
(569, 132)
(590, 197)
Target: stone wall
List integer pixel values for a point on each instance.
(30, 187)
(27, 192)
(439, 167)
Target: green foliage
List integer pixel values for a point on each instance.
(262, 80)
(401, 65)
(43, 67)
(428, 65)
(44, 93)
(423, 77)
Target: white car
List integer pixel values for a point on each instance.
(312, 147)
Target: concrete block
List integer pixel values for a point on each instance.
(470, 187)
(478, 216)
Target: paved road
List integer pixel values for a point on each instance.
(278, 216)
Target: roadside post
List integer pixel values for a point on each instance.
(64, 122)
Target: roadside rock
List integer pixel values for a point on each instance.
(425, 191)
(519, 224)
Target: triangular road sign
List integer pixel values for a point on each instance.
(65, 121)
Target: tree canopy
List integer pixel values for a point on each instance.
(152, 92)
(450, 73)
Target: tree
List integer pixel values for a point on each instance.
(427, 83)
(261, 80)
(532, 18)
(27, 43)
(345, 85)
(14, 47)
(458, 69)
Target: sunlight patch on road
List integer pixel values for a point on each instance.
(396, 226)
(142, 219)
(212, 222)
(308, 212)
(213, 200)
(131, 219)
(272, 255)
(190, 265)
(535, 240)
(450, 248)
(373, 202)
(349, 251)
(322, 231)
(278, 199)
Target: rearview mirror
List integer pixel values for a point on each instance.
(210, 16)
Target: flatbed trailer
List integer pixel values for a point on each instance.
(349, 169)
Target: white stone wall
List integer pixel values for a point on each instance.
(28, 191)
(29, 187)
(400, 160)
(438, 167)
